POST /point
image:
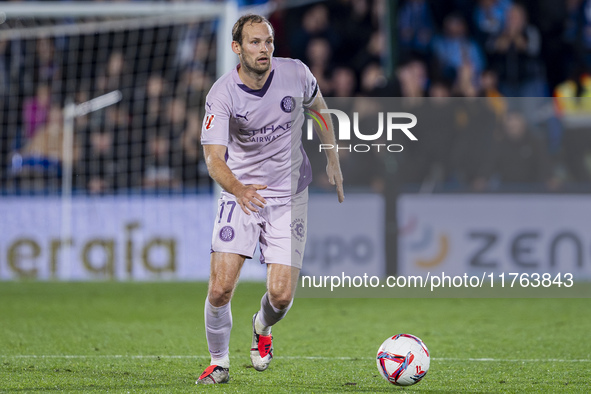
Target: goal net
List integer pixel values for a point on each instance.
(153, 62)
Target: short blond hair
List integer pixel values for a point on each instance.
(248, 18)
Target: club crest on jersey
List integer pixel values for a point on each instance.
(208, 122)
(227, 233)
(298, 230)
(287, 104)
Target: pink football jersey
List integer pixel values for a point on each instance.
(262, 129)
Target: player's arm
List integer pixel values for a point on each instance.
(333, 168)
(246, 195)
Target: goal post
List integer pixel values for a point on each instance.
(77, 51)
(138, 14)
(107, 99)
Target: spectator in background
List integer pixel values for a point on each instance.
(46, 61)
(352, 41)
(472, 153)
(466, 82)
(164, 150)
(318, 58)
(42, 66)
(412, 78)
(464, 8)
(193, 84)
(361, 13)
(374, 51)
(374, 82)
(578, 29)
(515, 54)
(47, 141)
(520, 157)
(183, 129)
(573, 101)
(429, 161)
(83, 95)
(36, 110)
(203, 56)
(379, 9)
(43, 156)
(344, 82)
(315, 24)
(489, 84)
(489, 18)
(128, 144)
(159, 170)
(149, 101)
(415, 27)
(573, 23)
(282, 25)
(573, 96)
(455, 48)
(440, 9)
(193, 48)
(194, 172)
(39, 67)
(489, 88)
(552, 21)
(115, 76)
(97, 170)
(175, 122)
(440, 90)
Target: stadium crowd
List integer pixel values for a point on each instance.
(518, 61)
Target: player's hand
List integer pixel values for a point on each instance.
(249, 199)
(335, 177)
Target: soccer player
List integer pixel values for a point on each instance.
(251, 136)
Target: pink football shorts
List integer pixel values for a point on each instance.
(279, 228)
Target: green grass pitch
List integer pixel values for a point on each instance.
(149, 337)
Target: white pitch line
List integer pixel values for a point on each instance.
(523, 360)
(130, 356)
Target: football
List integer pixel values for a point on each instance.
(403, 359)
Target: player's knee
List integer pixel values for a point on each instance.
(280, 299)
(219, 295)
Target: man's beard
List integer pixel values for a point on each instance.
(255, 68)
